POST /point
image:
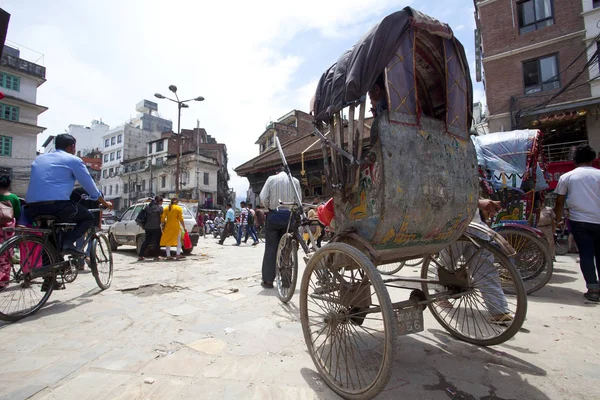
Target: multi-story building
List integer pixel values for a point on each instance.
(591, 19)
(125, 143)
(536, 73)
(89, 138)
(155, 173)
(19, 82)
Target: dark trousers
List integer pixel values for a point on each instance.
(227, 230)
(587, 237)
(65, 211)
(276, 226)
(152, 239)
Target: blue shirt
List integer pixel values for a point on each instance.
(230, 216)
(53, 177)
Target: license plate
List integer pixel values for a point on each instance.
(410, 320)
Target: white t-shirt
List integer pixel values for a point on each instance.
(582, 188)
(244, 216)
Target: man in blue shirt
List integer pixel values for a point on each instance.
(53, 177)
(229, 221)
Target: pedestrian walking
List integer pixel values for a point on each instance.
(153, 212)
(229, 221)
(246, 225)
(582, 187)
(251, 228)
(10, 210)
(172, 220)
(277, 187)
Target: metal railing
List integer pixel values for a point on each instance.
(561, 151)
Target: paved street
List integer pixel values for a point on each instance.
(204, 328)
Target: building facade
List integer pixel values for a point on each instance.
(89, 138)
(19, 111)
(535, 59)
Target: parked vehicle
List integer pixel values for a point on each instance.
(125, 231)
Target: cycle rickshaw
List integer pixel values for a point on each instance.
(410, 191)
(509, 163)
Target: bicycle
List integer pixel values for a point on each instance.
(36, 265)
(286, 266)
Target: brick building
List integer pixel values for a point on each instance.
(537, 72)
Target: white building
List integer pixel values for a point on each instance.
(591, 18)
(89, 138)
(123, 143)
(19, 81)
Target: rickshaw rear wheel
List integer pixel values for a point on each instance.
(474, 306)
(532, 259)
(348, 321)
(286, 267)
(390, 269)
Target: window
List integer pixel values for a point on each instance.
(159, 162)
(109, 190)
(106, 143)
(541, 74)
(270, 142)
(136, 211)
(10, 113)
(206, 178)
(142, 164)
(163, 181)
(534, 14)
(10, 81)
(112, 156)
(111, 171)
(127, 215)
(149, 148)
(105, 175)
(120, 138)
(125, 188)
(596, 3)
(160, 146)
(143, 185)
(118, 154)
(6, 146)
(106, 158)
(116, 189)
(113, 140)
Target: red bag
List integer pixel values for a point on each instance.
(187, 242)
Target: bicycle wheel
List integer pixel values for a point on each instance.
(348, 322)
(532, 259)
(24, 293)
(472, 303)
(286, 267)
(101, 261)
(414, 262)
(390, 269)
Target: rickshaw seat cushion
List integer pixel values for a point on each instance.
(325, 212)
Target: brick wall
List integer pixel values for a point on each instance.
(504, 77)
(498, 34)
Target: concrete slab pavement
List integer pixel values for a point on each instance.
(205, 328)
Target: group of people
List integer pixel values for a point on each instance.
(251, 221)
(164, 226)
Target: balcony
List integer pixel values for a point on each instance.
(561, 151)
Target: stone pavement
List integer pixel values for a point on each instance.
(204, 328)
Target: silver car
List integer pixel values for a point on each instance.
(125, 231)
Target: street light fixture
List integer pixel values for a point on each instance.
(180, 104)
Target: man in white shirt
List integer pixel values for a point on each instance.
(582, 187)
(277, 188)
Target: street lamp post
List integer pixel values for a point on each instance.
(180, 104)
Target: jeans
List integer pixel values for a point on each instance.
(485, 276)
(65, 211)
(587, 237)
(277, 222)
(249, 229)
(153, 239)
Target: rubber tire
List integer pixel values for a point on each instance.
(388, 314)
(542, 245)
(520, 314)
(113, 243)
(398, 266)
(414, 262)
(102, 241)
(54, 258)
(287, 240)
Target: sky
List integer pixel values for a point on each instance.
(252, 61)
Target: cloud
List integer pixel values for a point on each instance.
(104, 57)
(459, 28)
